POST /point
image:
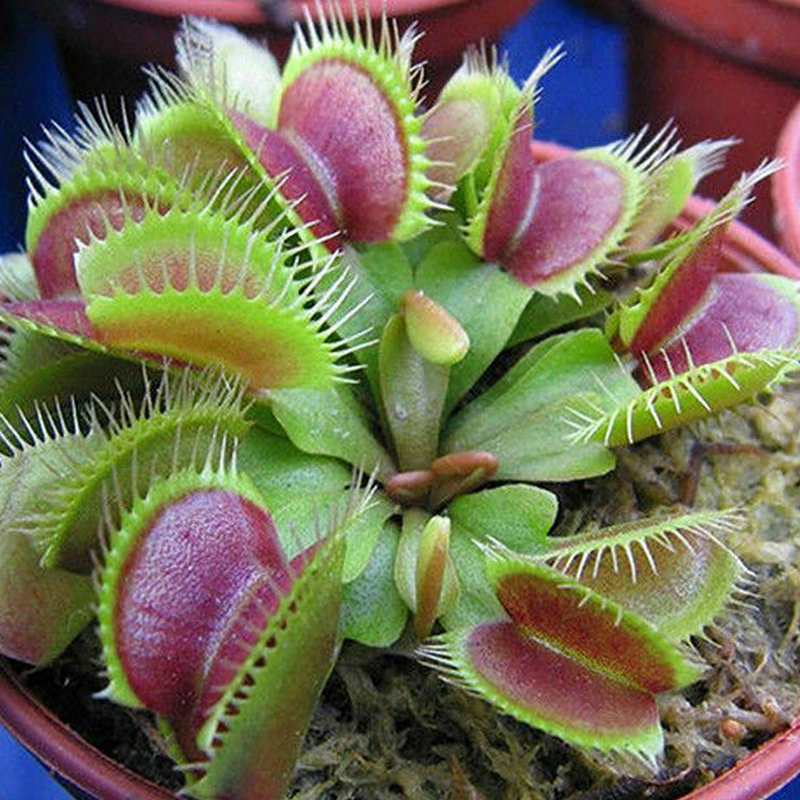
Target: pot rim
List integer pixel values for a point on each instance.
(62, 751)
(752, 31)
(66, 754)
(786, 185)
(247, 12)
(760, 773)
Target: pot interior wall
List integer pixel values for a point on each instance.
(709, 96)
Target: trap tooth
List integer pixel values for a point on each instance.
(671, 185)
(684, 397)
(35, 363)
(676, 571)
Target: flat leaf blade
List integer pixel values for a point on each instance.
(330, 422)
(485, 301)
(553, 370)
(373, 613)
(299, 488)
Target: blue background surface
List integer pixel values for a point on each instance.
(583, 104)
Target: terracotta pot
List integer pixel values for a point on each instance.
(104, 42)
(786, 187)
(721, 68)
(83, 771)
(760, 774)
(90, 775)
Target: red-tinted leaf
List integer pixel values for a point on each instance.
(548, 689)
(194, 592)
(559, 687)
(578, 203)
(739, 313)
(514, 195)
(569, 660)
(338, 113)
(679, 297)
(66, 315)
(299, 183)
(85, 216)
(591, 631)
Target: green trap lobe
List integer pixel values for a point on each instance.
(458, 130)
(188, 138)
(41, 610)
(269, 346)
(679, 583)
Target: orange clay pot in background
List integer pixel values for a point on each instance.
(786, 187)
(104, 42)
(718, 68)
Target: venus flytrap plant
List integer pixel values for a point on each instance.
(279, 249)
